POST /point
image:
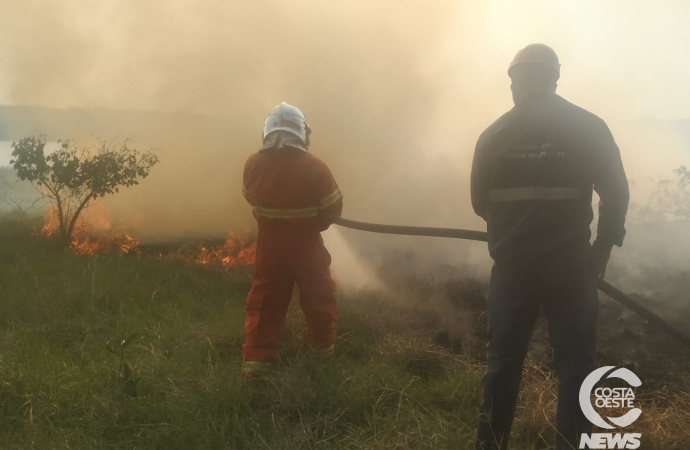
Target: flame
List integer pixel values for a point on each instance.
(87, 245)
(237, 250)
(93, 233)
(51, 224)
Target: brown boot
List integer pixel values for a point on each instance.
(254, 370)
(325, 355)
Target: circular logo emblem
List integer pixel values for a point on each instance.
(610, 397)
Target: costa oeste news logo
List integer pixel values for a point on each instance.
(610, 398)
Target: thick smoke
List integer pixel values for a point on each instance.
(396, 92)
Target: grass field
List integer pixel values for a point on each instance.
(391, 387)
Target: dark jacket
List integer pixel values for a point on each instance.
(532, 178)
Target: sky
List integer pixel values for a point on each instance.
(203, 56)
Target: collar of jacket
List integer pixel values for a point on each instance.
(536, 98)
(280, 139)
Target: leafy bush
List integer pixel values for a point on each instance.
(72, 176)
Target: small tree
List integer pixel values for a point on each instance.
(683, 175)
(669, 203)
(71, 177)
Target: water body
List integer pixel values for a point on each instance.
(6, 151)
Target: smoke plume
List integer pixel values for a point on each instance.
(396, 92)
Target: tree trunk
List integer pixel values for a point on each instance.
(73, 222)
(64, 239)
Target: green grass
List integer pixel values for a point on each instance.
(59, 385)
(390, 387)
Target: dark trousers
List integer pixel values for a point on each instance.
(566, 290)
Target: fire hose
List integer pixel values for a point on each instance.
(481, 236)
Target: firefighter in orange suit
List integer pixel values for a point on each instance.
(292, 193)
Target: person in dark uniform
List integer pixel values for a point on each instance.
(533, 174)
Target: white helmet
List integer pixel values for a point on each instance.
(287, 118)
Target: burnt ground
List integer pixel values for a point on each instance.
(452, 313)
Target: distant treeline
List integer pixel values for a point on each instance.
(19, 121)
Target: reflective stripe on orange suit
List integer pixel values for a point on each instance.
(290, 190)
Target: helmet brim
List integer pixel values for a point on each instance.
(538, 66)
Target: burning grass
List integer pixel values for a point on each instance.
(391, 386)
(95, 234)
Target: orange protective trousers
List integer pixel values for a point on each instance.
(289, 254)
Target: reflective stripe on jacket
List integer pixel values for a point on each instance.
(291, 185)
